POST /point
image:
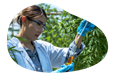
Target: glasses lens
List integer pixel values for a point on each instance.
(45, 28)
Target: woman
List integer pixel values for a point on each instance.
(39, 55)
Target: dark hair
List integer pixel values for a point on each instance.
(31, 12)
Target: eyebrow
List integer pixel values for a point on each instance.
(40, 22)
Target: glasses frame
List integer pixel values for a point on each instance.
(44, 26)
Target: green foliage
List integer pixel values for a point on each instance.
(10, 57)
(61, 31)
(95, 50)
(11, 49)
(21, 39)
(60, 28)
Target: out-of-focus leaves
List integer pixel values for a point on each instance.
(48, 38)
(21, 39)
(97, 33)
(94, 33)
(10, 50)
(54, 35)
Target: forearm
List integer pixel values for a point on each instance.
(80, 46)
(79, 42)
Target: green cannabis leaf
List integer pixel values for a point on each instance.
(20, 38)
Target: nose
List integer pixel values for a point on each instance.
(40, 30)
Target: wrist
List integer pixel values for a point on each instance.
(83, 34)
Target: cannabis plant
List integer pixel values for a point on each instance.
(95, 50)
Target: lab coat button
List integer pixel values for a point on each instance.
(33, 57)
(38, 68)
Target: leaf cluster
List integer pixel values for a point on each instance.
(95, 50)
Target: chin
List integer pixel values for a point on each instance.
(34, 39)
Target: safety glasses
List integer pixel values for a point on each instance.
(44, 26)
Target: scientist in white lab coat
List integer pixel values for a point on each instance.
(38, 55)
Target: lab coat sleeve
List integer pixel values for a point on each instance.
(59, 56)
(77, 51)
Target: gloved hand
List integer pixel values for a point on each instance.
(65, 68)
(88, 27)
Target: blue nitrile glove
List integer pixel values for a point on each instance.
(65, 68)
(88, 27)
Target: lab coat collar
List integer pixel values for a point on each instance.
(15, 41)
(21, 49)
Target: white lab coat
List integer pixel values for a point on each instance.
(49, 55)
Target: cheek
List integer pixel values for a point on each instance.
(31, 27)
(31, 35)
(30, 31)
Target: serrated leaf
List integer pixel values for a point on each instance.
(48, 38)
(97, 33)
(45, 31)
(14, 50)
(87, 41)
(14, 60)
(90, 58)
(11, 48)
(95, 42)
(96, 50)
(86, 35)
(83, 61)
(95, 55)
(105, 46)
(94, 33)
(51, 31)
(90, 47)
(91, 41)
(68, 30)
(21, 39)
(60, 39)
(88, 51)
(54, 35)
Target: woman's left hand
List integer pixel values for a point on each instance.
(88, 27)
(65, 68)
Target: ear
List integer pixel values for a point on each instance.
(23, 19)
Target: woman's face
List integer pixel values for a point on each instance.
(33, 30)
